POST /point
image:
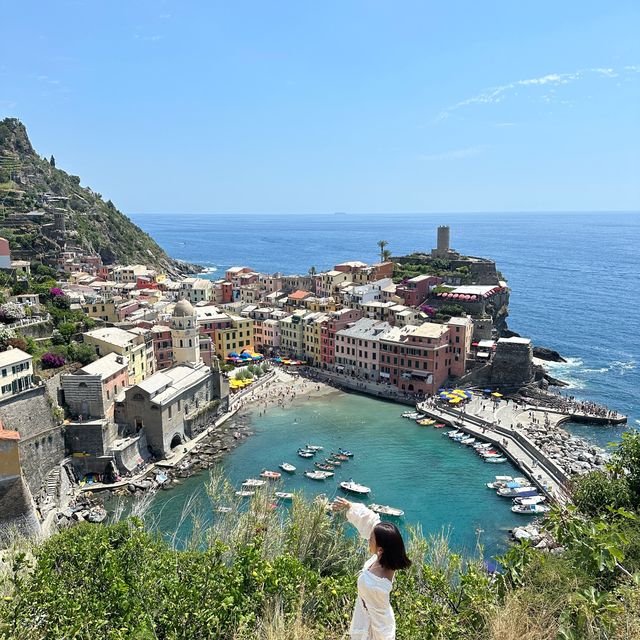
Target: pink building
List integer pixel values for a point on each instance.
(460, 337)
(266, 335)
(337, 320)
(415, 291)
(357, 349)
(162, 346)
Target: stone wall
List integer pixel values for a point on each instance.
(512, 365)
(41, 441)
(17, 510)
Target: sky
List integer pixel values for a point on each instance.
(346, 105)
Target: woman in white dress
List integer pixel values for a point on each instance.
(373, 617)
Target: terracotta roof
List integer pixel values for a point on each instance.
(299, 295)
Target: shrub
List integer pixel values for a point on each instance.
(52, 361)
(10, 312)
(82, 353)
(6, 335)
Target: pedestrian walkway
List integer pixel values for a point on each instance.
(497, 424)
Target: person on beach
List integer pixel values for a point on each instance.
(373, 617)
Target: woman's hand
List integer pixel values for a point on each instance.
(340, 504)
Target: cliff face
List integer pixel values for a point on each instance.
(29, 183)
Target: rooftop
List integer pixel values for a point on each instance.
(365, 328)
(11, 356)
(163, 386)
(105, 367)
(112, 335)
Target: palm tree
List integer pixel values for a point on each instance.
(386, 255)
(382, 244)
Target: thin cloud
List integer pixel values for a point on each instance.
(455, 154)
(495, 95)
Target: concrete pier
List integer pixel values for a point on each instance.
(524, 454)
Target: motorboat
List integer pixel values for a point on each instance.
(339, 456)
(245, 494)
(453, 433)
(426, 422)
(323, 466)
(354, 487)
(496, 460)
(439, 425)
(517, 492)
(467, 441)
(488, 453)
(253, 482)
(529, 501)
(326, 474)
(270, 475)
(305, 454)
(316, 475)
(413, 415)
(306, 450)
(386, 510)
(512, 484)
(225, 509)
(530, 509)
(314, 447)
(346, 452)
(283, 495)
(285, 466)
(333, 461)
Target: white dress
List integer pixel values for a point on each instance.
(373, 617)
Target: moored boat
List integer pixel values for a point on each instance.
(517, 492)
(530, 509)
(346, 452)
(253, 482)
(354, 487)
(289, 468)
(426, 422)
(305, 454)
(529, 501)
(245, 493)
(314, 447)
(316, 475)
(386, 510)
(496, 459)
(323, 466)
(270, 475)
(284, 495)
(439, 425)
(333, 461)
(468, 441)
(223, 509)
(339, 456)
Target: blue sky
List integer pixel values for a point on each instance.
(361, 106)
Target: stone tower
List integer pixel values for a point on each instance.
(443, 239)
(59, 222)
(184, 333)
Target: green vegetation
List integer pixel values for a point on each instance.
(424, 265)
(255, 573)
(100, 227)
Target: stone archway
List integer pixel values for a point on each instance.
(176, 441)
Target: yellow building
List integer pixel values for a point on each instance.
(233, 334)
(124, 343)
(312, 337)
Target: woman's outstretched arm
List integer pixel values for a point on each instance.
(362, 518)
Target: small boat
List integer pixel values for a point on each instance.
(386, 510)
(413, 415)
(316, 475)
(314, 447)
(225, 509)
(270, 475)
(305, 454)
(245, 494)
(530, 509)
(253, 482)
(468, 441)
(285, 466)
(512, 484)
(354, 487)
(426, 422)
(339, 456)
(323, 466)
(517, 492)
(283, 495)
(333, 461)
(490, 453)
(529, 501)
(496, 460)
(305, 450)
(503, 478)
(346, 452)
(439, 425)
(326, 474)
(453, 433)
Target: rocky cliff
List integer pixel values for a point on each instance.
(37, 200)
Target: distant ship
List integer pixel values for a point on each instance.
(339, 213)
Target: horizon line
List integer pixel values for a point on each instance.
(382, 213)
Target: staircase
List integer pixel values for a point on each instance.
(52, 484)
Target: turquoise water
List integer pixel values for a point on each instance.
(438, 483)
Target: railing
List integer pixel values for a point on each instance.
(26, 322)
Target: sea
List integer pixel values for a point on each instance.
(574, 288)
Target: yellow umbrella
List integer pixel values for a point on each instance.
(496, 394)
(455, 400)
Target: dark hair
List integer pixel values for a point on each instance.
(389, 538)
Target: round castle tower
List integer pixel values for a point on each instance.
(184, 333)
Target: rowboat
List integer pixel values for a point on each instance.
(270, 475)
(339, 456)
(530, 509)
(314, 447)
(283, 495)
(253, 482)
(323, 466)
(439, 425)
(346, 452)
(386, 510)
(354, 487)
(285, 466)
(245, 494)
(316, 475)
(333, 461)
(426, 422)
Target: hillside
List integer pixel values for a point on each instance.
(33, 191)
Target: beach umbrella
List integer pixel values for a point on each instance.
(455, 400)
(496, 394)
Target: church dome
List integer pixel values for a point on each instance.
(183, 309)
